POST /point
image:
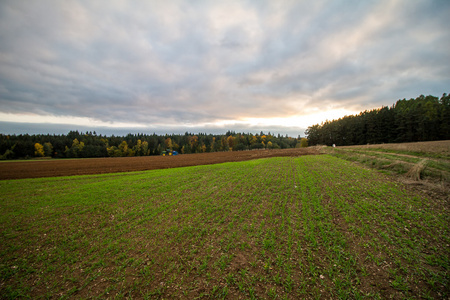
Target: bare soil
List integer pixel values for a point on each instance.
(69, 167)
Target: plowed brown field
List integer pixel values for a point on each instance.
(67, 167)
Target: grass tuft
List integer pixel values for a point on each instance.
(416, 171)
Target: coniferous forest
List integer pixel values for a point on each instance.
(426, 118)
(77, 144)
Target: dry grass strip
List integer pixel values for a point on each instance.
(415, 172)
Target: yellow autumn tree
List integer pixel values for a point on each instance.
(145, 150)
(111, 150)
(230, 140)
(125, 150)
(75, 150)
(78, 146)
(39, 150)
(304, 142)
(168, 143)
(193, 140)
(138, 148)
(225, 146)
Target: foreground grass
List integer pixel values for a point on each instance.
(308, 227)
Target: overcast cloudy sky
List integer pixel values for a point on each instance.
(210, 66)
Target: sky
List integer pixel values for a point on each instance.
(119, 67)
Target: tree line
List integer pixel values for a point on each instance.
(77, 144)
(426, 118)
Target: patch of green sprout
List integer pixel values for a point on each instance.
(280, 228)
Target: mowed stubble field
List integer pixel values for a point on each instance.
(308, 227)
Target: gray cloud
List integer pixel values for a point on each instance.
(183, 63)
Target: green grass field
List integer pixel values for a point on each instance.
(311, 227)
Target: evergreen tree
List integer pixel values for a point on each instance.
(421, 119)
